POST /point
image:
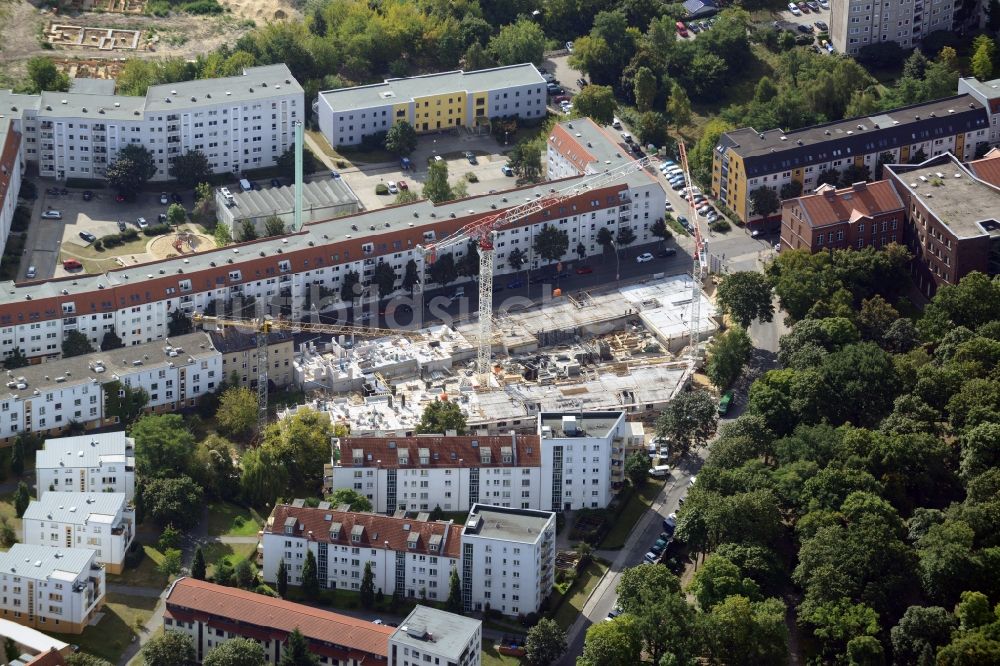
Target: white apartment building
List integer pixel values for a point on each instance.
(432, 102)
(101, 521)
(55, 589)
(409, 557)
(581, 454)
(96, 463)
(238, 122)
(508, 559)
(49, 397)
(415, 556)
(424, 472)
(429, 635)
(11, 167)
(986, 93)
(855, 24)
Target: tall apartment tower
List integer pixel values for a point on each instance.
(855, 24)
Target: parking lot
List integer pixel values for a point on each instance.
(788, 21)
(451, 148)
(51, 241)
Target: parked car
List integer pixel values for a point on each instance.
(142, 223)
(178, 198)
(681, 29)
(164, 199)
(469, 155)
(650, 557)
(805, 28)
(584, 270)
(668, 252)
(52, 215)
(644, 257)
(87, 236)
(392, 187)
(614, 612)
(684, 222)
(824, 4)
(616, 123)
(87, 195)
(794, 9)
(803, 7)
(724, 404)
(120, 198)
(560, 99)
(693, 27)
(668, 206)
(626, 137)
(72, 265)
(402, 185)
(32, 272)
(506, 170)
(121, 225)
(581, 83)
(821, 26)
(813, 5)
(569, 46)
(275, 182)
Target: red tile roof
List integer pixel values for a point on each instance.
(569, 147)
(11, 146)
(988, 168)
(377, 529)
(444, 451)
(832, 206)
(258, 615)
(50, 658)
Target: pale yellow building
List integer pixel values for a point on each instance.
(239, 356)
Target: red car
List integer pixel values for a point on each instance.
(402, 185)
(119, 198)
(560, 99)
(72, 265)
(584, 270)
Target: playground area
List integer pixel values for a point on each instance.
(187, 240)
(184, 241)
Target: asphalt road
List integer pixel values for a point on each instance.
(643, 535)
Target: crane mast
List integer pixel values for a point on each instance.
(483, 233)
(697, 266)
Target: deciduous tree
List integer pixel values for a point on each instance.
(764, 201)
(76, 343)
(385, 278)
(545, 643)
(597, 103)
(236, 652)
(441, 416)
(637, 468)
(171, 648)
(521, 41)
(173, 501)
(436, 186)
(401, 139)
(163, 445)
(131, 169)
(551, 243)
(356, 500)
(727, 356)
(296, 650)
(746, 296)
(689, 419)
(190, 168)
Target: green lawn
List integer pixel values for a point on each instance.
(573, 602)
(228, 552)
(143, 575)
(493, 658)
(637, 505)
(109, 638)
(228, 519)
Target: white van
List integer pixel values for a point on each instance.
(245, 185)
(227, 195)
(617, 124)
(659, 471)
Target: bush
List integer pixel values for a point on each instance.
(381, 188)
(20, 219)
(28, 189)
(202, 7)
(721, 224)
(157, 230)
(471, 177)
(341, 164)
(99, 245)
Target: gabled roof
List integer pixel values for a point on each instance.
(189, 598)
(442, 451)
(850, 203)
(988, 168)
(374, 530)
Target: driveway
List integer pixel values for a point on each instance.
(604, 596)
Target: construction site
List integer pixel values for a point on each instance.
(622, 349)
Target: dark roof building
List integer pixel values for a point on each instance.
(699, 9)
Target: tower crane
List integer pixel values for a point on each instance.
(263, 326)
(698, 263)
(483, 233)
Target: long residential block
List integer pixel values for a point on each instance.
(431, 103)
(55, 589)
(452, 473)
(11, 169)
(103, 522)
(238, 122)
(95, 463)
(855, 24)
(49, 398)
(414, 557)
(747, 159)
(212, 614)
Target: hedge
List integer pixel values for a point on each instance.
(157, 230)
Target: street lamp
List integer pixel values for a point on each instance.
(618, 266)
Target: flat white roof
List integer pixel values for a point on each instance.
(84, 451)
(29, 638)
